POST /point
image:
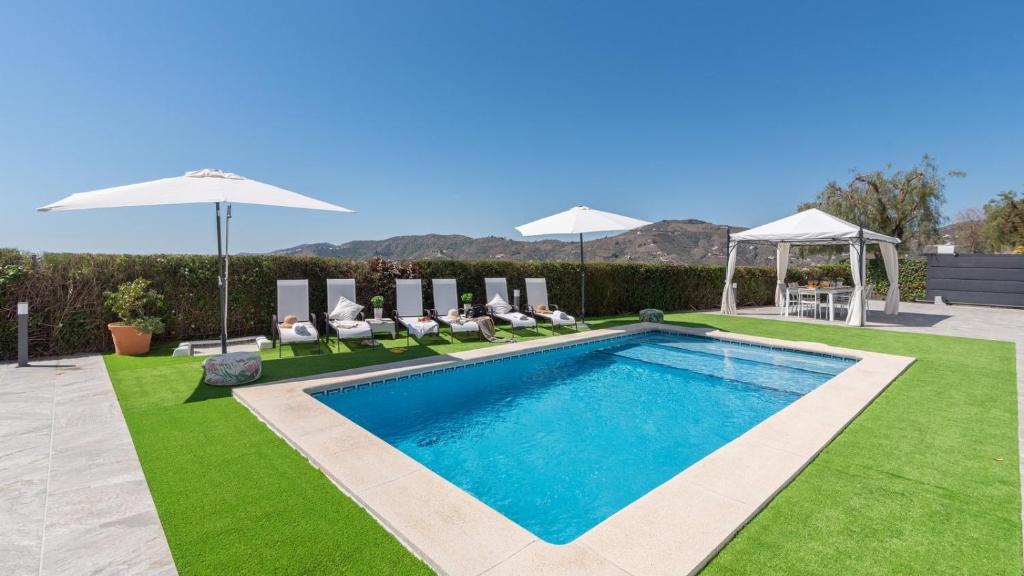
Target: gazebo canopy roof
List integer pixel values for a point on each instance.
(811, 226)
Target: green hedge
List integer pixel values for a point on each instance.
(65, 291)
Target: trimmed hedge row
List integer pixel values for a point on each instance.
(65, 291)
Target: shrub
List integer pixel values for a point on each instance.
(69, 315)
(131, 301)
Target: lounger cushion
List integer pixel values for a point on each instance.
(351, 329)
(558, 318)
(345, 309)
(463, 326)
(518, 319)
(288, 334)
(418, 328)
(499, 306)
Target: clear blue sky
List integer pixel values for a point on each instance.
(473, 117)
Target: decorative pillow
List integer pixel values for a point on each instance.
(345, 310)
(499, 306)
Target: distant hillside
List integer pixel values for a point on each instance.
(667, 241)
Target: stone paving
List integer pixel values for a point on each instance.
(73, 498)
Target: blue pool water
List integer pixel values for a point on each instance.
(560, 440)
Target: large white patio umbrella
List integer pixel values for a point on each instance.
(198, 187)
(580, 220)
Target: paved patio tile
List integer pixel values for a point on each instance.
(74, 497)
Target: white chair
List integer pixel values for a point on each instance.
(499, 287)
(355, 328)
(808, 300)
(446, 299)
(409, 311)
(869, 292)
(537, 296)
(792, 297)
(293, 300)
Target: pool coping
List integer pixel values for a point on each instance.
(675, 528)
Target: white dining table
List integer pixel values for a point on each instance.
(830, 292)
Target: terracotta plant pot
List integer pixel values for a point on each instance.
(128, 340)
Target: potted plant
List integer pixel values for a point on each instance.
(130, 302)
(378, 306)
(467, 301)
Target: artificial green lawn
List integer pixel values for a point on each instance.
(925, 481)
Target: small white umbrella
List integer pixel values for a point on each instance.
(198, 187)
(580, 220)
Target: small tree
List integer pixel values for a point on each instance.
(906, 204)
(467, 297)
(131, 302)
(970, 231)
(1004, 221)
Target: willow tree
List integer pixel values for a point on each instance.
(906, 204)
(1004, 220)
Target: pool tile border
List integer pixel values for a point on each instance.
(676, 528)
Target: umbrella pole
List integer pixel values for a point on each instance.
(220, 284)
(227, 274)
(583, 286)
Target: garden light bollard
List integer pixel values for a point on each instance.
(22, 334)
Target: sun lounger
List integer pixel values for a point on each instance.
(537, 305)
(293, 300)
(501, 309)
(409, 311)
(445, 300)
(347, 321)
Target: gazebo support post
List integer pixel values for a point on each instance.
(863, 276)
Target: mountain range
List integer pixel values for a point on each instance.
(667, 242)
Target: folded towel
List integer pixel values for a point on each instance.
(347, 324)
(561, 315)
(302, 330)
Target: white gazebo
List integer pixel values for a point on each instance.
(816, 228)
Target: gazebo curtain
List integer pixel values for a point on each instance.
(892, 271)
(781, 266)
(728, 298)
(855, 317)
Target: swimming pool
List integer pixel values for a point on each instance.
(561, 439)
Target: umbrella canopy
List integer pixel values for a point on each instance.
(197, 187)
(580, 220)
(205, 186)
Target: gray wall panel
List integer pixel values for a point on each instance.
(996, 280)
